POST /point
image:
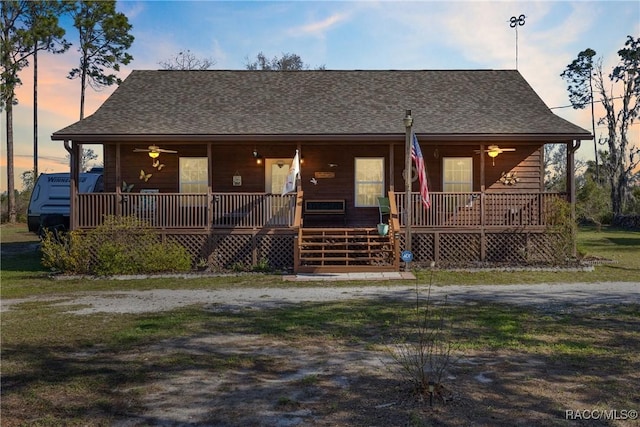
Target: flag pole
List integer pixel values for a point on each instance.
(408, 122)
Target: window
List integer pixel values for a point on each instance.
(369, 179)
(193, 175)
(457, 174)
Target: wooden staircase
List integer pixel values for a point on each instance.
(342, 250)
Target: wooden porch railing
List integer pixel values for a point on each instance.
(258, 210)
(394, 228)
(476, 209)
(253, 210)
(178, 210)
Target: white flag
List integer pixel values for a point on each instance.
(294, 171)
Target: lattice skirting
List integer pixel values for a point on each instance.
(457, 248)
(227, 250)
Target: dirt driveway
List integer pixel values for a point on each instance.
(551, 295)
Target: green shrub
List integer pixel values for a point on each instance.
(560, 224)
(65, 252)
(169, 256)
(262, 266)
(122, 245)
(114, 258)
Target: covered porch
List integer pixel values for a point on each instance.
(258, 227)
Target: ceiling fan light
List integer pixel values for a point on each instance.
(154, 154)
(493, 153)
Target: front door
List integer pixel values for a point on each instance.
(276, 171)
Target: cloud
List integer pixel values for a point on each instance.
(220, 56)
(58, 95)
(319, 28)
(131, 9)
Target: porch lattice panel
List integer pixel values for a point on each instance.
(506, 247)
(546, 248)
(276, 249)
(195, 244)
(230, 249)
(459, 247)
(422, 246)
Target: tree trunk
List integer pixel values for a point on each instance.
(10, 179)
(35, 113)
(83, 80)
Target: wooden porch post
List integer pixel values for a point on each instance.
(408, 122)
(483, 207)
(299, 178)
(391, 169)
(118, 183)
(209, 224)
(75, 179)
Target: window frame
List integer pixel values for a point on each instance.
(357, 183)
(444, 174)
(202, 183)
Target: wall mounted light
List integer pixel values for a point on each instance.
(257, 156)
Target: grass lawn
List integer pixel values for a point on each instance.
(60, 368)
(63, 369)
(23, 275)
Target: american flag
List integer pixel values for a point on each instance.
(416, 155)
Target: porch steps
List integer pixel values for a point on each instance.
(342, 250)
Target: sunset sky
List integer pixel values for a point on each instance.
(339, 35)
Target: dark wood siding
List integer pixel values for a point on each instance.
(231, 158)
(165, 180)
(525, 162)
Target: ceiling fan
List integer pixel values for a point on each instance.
(154, 151)
(494, 150)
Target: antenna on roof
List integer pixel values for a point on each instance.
(515, 23)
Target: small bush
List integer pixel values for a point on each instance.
(114, 258)
(562, 227)
(422, 359)
(65, 252)
(168, 256)
(262, 266)
(122, 245)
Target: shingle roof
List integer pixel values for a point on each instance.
(248, 103)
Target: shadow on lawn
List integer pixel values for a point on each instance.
(21, 256)
(322, 364)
